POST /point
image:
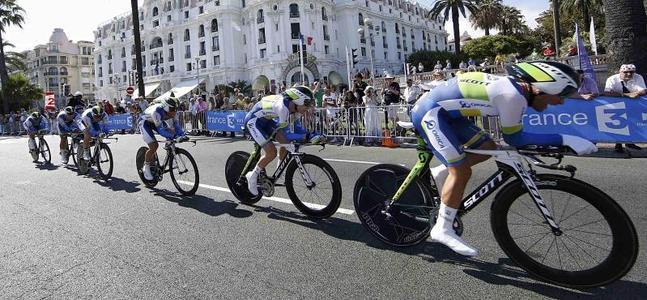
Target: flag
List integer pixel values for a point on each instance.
(585, 64)
(594, 44)
(50, 102)
(301, 38)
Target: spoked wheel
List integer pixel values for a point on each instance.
(233, 169)
(43, 148)
(407, 221)
(598, 243)
(104, 161)
(83, 164)
(74, 148)
(184, 172)
(139, 162)
(321, 197)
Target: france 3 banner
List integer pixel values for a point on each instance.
(226, 120)
(119, 122)
(604, 119)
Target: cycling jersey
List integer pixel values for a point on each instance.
(33, 125)
(156, 119)
(439, 115)
(67, 123)
(87, 121)
(260, 120)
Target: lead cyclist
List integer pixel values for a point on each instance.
(440, 118)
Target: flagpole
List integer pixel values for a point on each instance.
(577, 43)
(348, 65)
(301, 58)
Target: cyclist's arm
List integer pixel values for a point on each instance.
(178, 128)
(28, 125)
(511, 108)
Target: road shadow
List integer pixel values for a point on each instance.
(502, 273)
(203, 204)
(46, 166)
(118, 184)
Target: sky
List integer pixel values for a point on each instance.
(79, 18)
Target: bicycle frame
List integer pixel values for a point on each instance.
(509, 163)
(293, 155)
(170, 152)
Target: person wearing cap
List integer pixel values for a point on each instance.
(412, 92)
(391, 93)
(627, 83)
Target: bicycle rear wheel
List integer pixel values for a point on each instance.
(323, 197)
(233, 171)
(74, 148)
(139, 163)
(104, 161)
(598, 244)
(185, 170)
(43, 148)
(410, 220)
(84, 165)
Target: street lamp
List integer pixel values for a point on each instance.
(368, 24)
(197, 67)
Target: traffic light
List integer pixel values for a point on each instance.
(66, 89)
(305, 54)
(354, 58)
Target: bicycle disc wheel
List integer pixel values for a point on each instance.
(104, 161)
(84, 165)
(184, 172)
(139, 163)
(44, 151)
(598, 244)
(233, 169)
(322, 199)
(409, 221)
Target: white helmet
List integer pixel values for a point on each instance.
(550, 77)
(78, 94)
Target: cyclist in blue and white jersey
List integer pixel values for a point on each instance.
(67, 121)
(160, 118)
(91, 125)
(271, 116)
(440, 118)
(32, 125)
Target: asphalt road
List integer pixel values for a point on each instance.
(70, 236)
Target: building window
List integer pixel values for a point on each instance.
(156, 43)
(170, 38)
(109, 68)
(295, 48)
(203, 64)
(383, 26)
(215, 43)
(326, 49)
(100, 71)
(244, 39)
(171, 68)
(123, 52)
(259, 17)
(243, 3)
(186, 14)
(263, 53)
(214, 25)
(201, 9)
(187, 51)
(216, 60)
(261, 36)
(156, 23)
(325, 33)
(187, 35)
(203, 49)
(397, 29)
(295, 29)
(109, 55)
(294, 10)
(123, 66)
(85, 61)
(168, 18)
(385, 55)
(324, 16)
(101, 83)
(363, 51)
(171, 56)
(361, 19)
(201, 31)
(189, 66)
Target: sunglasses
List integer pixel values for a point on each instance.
(628, 72)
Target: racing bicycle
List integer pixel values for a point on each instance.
(317, 182)
(100, 156)
(73, 147)
(42, 148)
(178, 162)
(558, 228)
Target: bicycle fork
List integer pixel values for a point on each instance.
(424, 157)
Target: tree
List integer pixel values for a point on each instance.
(626, 34)
(585, 7)
(543, 33)
(18, 87)
(511, 21)
(15, 61)
(487, 15)
(10, 14)
(455, 7)
(490, 46)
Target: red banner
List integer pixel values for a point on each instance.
(50, 102)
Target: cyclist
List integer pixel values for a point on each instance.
(160, 118)
(32, 125)
(440, 117)
(262, 126)
(67, 123)
(91, 126)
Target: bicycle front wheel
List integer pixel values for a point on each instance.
(44, 151)
(408, 221)
(104, 161)
(184, 172)
(74, 148)
(597, 246)
(323, 193)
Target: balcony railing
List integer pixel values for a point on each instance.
(363, 41)
(261, 40)
(326, 37)
(171, 58)
(295, 36)
(260, 20)
(324, 17)
(64, 73)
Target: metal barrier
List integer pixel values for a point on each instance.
(193, 123)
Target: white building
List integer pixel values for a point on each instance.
(257, 41)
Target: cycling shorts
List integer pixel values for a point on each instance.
(261, 129)
(73, 127)
(148, 130)
(83, 126)
(447, 136)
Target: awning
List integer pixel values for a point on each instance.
(180, 89)
(150, 88)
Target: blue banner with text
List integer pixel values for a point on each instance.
(604, 119)
(119, 122)
(226, 120)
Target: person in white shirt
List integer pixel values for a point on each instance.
(371, 120)
(412, 92)
(439, 78)
(626, 83)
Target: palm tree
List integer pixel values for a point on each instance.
(455, 7)
(510, 20)
(585, 6)
(626, 34)
(15, 61)
(556, 26)
(487, 15)
(10, 14)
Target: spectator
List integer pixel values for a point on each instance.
(391, 94)
(448, 65)
(143, 104)
(108, 108)
(471, 65)
(589, 88)
(349, 102)
(438, 65)
(462, 65)
(499, 61)
(212, 102)
(240, 102)
(202, 108)
(359, 86)
(439, 78)
(76, 100)
(371, 119)
(318, 92)
(220, 100)
(421, 68)
(626, 84)
(412, 92)
(119, 109)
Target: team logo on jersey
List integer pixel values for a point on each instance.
(431, 124)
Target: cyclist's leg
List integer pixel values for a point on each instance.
(260, 130)
(63, 145)
(32, 140)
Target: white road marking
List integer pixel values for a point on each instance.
(275, 199)
(363, 162)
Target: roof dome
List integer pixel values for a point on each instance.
(58, 36)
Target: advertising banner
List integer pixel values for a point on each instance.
(119, 122)
(226, 120)
(604, 119)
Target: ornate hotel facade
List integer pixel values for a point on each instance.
(211, 42)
